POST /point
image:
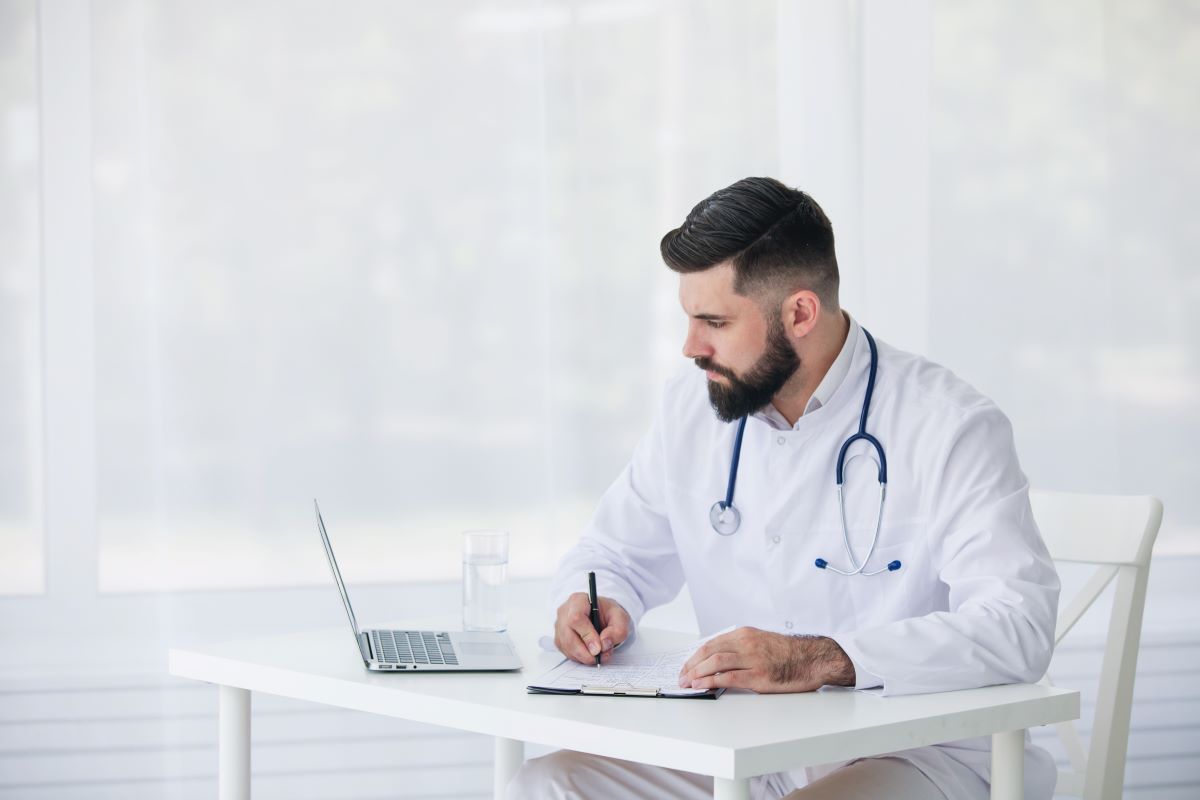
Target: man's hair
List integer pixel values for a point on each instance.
(778, 239)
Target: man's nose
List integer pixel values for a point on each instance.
(694, 345)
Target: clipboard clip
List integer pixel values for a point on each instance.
(620, 690)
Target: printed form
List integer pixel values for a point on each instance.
(626, 669)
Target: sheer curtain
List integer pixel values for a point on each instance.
(398, 256)
(402, 257)
(22, 563)
(1063, 251)
(1065, 276)
(1063, 282)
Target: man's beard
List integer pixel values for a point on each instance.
(742, 396)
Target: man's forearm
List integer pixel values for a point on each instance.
(839, 667)
(819, 657)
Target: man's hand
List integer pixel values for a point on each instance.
(748, 658)
(574, 635)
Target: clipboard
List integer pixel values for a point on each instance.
(639, 675)
(625, 690)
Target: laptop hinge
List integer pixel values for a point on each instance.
(364, 645)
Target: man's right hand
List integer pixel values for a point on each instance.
(574, 635)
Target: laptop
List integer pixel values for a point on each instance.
(423, 651)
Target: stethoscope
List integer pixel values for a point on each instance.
(726, 519)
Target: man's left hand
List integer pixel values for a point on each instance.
(749, 658)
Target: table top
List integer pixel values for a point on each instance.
(737, 736)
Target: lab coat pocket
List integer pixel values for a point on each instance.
(881, 591)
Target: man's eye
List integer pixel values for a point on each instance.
(715, 324)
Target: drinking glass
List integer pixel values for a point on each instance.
(485, 580)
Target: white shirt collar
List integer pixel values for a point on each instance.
(829, 383)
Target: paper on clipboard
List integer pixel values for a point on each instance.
(626, 673)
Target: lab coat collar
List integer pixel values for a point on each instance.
(834, 377)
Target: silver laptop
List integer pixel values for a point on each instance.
(423, 651)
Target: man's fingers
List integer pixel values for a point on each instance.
(574, 631)
(714, 664)
(614, 623)
(575, 635)
(570, 645)
(724, 643)
(614, 634)
(735, 679)
(575, 648)
(615, 619)
(702, 652)
(587, 634)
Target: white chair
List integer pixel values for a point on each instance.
(1117, 534)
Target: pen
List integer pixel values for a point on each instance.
(595, 610)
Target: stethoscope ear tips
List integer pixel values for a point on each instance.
(823, 564)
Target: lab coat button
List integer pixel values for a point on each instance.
(781, 440)
(788, 624)
(775, 540)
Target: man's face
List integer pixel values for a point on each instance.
(747, 358)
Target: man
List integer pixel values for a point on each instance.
(953, 589)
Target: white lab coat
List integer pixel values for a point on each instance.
(974, 601)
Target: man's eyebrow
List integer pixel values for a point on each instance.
(713, 317)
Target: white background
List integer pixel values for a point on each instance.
(403, 257)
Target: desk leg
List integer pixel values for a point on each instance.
(1008, 765)
(510, 755)
(725, 789)
(233, 746)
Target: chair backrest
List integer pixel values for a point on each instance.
(1116, 534)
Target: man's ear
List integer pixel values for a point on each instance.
(801, 311)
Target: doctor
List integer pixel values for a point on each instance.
(858, 511)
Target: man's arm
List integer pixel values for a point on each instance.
(627, 543)
(1003, 597)
(767, 663)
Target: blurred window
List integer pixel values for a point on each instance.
(21, 543)
(1064, 278)
(403, 260)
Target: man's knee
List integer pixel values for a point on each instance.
(546, 776)
(884, 777)
(567, 775)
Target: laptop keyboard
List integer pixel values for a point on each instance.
(413, 647)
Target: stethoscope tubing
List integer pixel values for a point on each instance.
(733, 469)
(726, 519)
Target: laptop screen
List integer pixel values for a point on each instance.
(337, 575)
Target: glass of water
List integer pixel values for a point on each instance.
(485, 580)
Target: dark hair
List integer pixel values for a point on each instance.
(778, 239)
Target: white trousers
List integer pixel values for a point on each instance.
(567, 775)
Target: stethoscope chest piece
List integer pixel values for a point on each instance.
(725, 518)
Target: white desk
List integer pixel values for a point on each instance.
(735, 738)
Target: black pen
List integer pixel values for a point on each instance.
(595, 612)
